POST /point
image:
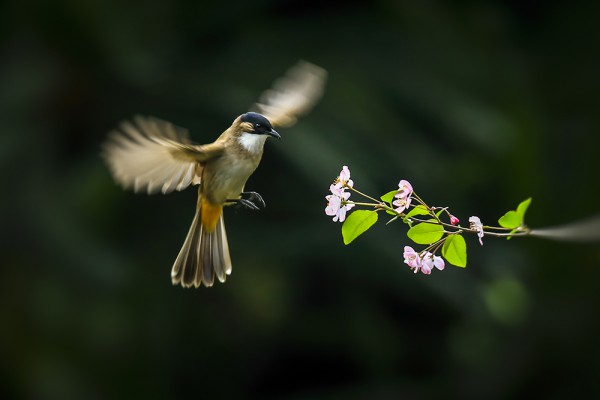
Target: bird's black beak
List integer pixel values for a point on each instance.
(274, 134)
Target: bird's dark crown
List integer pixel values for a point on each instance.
(258, 121)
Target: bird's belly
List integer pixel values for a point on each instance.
(227, 180)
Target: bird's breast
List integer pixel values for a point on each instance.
(225, 178)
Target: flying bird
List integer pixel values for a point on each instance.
(152, 155)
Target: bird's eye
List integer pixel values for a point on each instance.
(257, 125)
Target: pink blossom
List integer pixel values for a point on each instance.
(454, 220)
(422, 262)
(343, 179)
(337, 201)
(337, 206)
(404, 189)
(430, 261)
(475, 223)
(412, 258)
(401, 204)
(426, 265)
(403, 196)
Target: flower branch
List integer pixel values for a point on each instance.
(426, 226)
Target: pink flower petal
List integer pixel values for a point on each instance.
(341, 214)
(336, 190)
(344, 177)
(438, 262)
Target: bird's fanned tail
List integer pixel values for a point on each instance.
(204, 254)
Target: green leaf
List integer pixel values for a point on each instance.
(455, 250)
(392, 220)
(522, 208)
(511, 232)
(425, 233)
(514, 218)
(389, 196)
(357, 223)
(418, 210)
(510, 220)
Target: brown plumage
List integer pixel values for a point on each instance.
(155, 156)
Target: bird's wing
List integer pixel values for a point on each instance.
(292, 95)
(153, 155)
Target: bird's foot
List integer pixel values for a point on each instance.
(250, 202)
(255, 197)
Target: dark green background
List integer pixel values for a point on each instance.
(478, 104)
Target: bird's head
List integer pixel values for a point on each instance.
(256, 123)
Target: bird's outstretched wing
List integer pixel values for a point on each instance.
(153, 155)
(292, 95)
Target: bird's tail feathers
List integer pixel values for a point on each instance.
(204, 254)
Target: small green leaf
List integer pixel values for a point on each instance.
(513, 219)
(522, 208)
(455, 250)
(392, 220)
(357, 223)
(511, 232)
(389, 196)
(510, 220)
(418, 210)
(425, 233)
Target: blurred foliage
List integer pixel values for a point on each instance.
(478, 104)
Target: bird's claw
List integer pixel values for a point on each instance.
(248, 204)
(251, 201)
(254, 196)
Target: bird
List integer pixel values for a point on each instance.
(148, 154)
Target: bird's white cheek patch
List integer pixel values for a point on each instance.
(252, 142)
